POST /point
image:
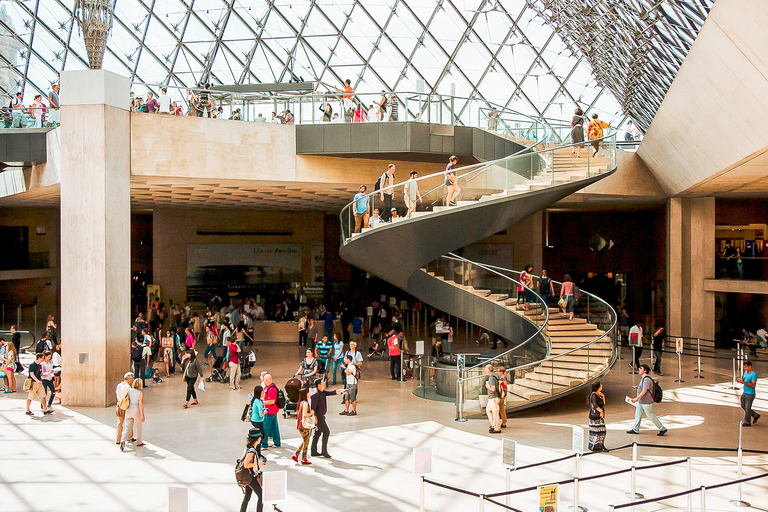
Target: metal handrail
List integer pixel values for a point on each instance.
(468, 169)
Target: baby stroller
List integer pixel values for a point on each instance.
(246, 363)
(218, 371)
(292, 388)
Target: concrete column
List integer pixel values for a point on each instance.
(690, 260)
(95, 235)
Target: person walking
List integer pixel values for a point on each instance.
(192, 369)
(8, 364)
(644, 402)
(210, 341)
(749, 380)
(387, 192)
(355, 356)
(546, 288)
(350, 386)
(305, 424)
(636, 340)
(492, 409)
(577, 132)
(597, 419)
(319, 405)
(47, 377)
(411, 194)
(451, 182)
(337, 360)
(271, 428)
(303, 327)
(595, 132)
(36, 390)
(257, 408)
(501, 374)
(234, 364)
(134, 415)
(121, 392)
(526, 278)
(323, 353)
(307, 368)
(567, 297)
(393, 349)
(658, 348)
(252, 459)
(167, 345)
(312, 334)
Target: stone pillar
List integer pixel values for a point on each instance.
(690, 260)
(95, 235)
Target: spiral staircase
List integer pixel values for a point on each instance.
(415, 254)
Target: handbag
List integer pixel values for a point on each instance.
(562, 302)
(125, 403)
(28, 384)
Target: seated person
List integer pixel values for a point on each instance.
(749, 340)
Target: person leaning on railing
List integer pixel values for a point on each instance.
(361, 209)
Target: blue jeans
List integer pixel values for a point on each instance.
(337, 367)
(648, 410)
(212, 349)
(270, 430)
(329, 333)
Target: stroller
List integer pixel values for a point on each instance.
(246, 363)
(292, 388)
(218, 371)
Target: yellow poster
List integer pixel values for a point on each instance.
(548, 498)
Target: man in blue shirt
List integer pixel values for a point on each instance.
(748, 395)
(338, 349)
(323, 353)
(361, 209)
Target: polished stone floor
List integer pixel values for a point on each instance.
(68, 461)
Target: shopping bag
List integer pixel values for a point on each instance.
(201, 385)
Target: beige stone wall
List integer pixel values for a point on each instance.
(174, 229)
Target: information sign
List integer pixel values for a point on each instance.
(577, 439)
(419, 347)
(679, 345)
(422, 460)
(178, 499)
(509, 452)
(275, 486)
(548, 497)
(369, 311)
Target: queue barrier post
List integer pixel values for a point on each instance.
(679, 368)
(633, 494)
(703, 499)
(690, 483)
(482, 503)
(422, 497)
(698, 359)
(733, 369)
(739, 502)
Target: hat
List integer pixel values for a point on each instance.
(254, 433)
(128, 375)
(393, 210)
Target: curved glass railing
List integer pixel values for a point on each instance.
(590, 356)
(535, 168)
(438, 376)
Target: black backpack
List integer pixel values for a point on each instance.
(280, 402)
(377, 185)
(136, 353)
(656, 392)
(41, 346)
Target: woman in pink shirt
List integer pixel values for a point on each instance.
(190, 338)
(47, 376)
(567, 295)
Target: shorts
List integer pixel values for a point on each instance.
(351, 393)
(168, 352)
(35, 391)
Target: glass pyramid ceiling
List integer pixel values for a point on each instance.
(503, 51)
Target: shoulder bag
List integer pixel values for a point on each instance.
(28, 384)
(307, 418)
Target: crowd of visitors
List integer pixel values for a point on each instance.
(42, 112)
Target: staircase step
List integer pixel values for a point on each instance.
(561, 380)
(499, 296)
(482, 293)
(524, 392)
(574, 335)
(592, 352)
(574, 327)
(565, 321)
(568, 344)
(562, 372)
(538, 385)
(465, 203)
(561, 364)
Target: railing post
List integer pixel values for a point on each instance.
(422, 501)
(633, 494)
(690, 483)
(482, 503)
(738, 502)
(460, 396)
(698, 359)
(703, 499)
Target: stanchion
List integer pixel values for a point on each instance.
(733, 368)
(482, 503)
(634, 358)
(698, 360)
(400, 377)
(739, 502)
(633, 494)
(703, 499)
(509, 486)
(576, 507)
(422, 506)
(690, 483)
(679, 368)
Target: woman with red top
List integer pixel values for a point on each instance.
(234, 365)
(305, 424)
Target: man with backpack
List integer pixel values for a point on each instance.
(648, 392)
(271, 428)
(137, 359)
